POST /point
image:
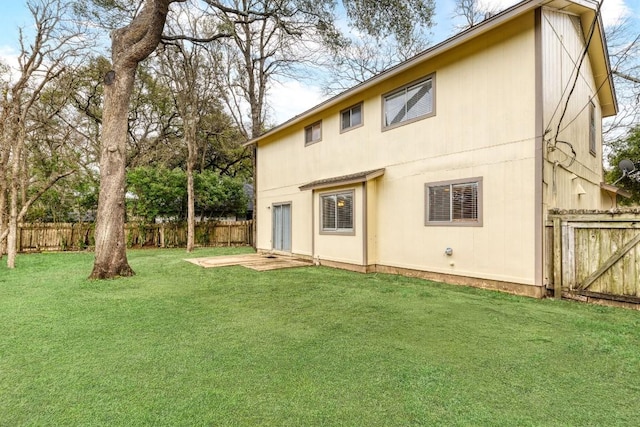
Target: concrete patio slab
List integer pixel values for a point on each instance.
(258, 262)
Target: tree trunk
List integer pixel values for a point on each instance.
(129, 46)
(3, 207)
(190, 136)
(111, 255)
(16, 163)
(12, 238)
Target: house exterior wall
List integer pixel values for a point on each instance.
(510, 112)
(566, 175)
(484, 126)
(276, 185)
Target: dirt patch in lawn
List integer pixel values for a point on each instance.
(258, 262)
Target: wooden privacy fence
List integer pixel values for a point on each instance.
(79, 236)
(594, 254)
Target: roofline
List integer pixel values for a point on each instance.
(615, 190)
(605, 48)
(343, 180)
(448, 44)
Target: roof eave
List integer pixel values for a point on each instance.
(610, 188)
(344, 180)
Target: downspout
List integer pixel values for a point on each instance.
(539, 255)
(313, 228)
(255, 197)
(365, 227)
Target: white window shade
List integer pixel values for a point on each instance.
(456, 202)
(409, 103)
(337, 212)
(439, 203)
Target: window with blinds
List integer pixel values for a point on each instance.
(412, 102)
(454, 202)
(337, 212)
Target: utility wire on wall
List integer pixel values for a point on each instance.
(578, 67)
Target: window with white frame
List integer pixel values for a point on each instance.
(336, 212)
(313, 133)
(409, 103)
(454, 202)
(592, 128)
(351, 117)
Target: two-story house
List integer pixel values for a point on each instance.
(445, 165)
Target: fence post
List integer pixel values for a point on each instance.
(19, 247)
(162, 243)
(557, 258)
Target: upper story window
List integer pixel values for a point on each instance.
(351, 118)
(313, 133)
(454, 202)
(409, 103)
(592, 128)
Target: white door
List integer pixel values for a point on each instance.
(282, 227)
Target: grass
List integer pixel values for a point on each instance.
(178, 345)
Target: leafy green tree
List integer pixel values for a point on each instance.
(156, 192)
(161, 193)
(219, 196)
(627, 147)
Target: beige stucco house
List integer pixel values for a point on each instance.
(446, 165)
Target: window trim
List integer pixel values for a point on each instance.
(347, 129)
(338, 232)
(313, 141)
(451, 223)
(397, 90)
(592, 128)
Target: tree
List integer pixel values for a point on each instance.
(26, 112)
(472, 13)
(160, 193)
(626, 147)
(623, 43)
(157, 192)
(154, 123)
(219, 196)
(188, 69)
(358, 60)
(129, 46)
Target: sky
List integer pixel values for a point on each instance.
(294, 97)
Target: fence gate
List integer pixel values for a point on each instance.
(596, 255)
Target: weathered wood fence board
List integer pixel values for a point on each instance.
(80, 236)
(594, 255)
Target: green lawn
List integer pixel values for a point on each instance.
(178, 345)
